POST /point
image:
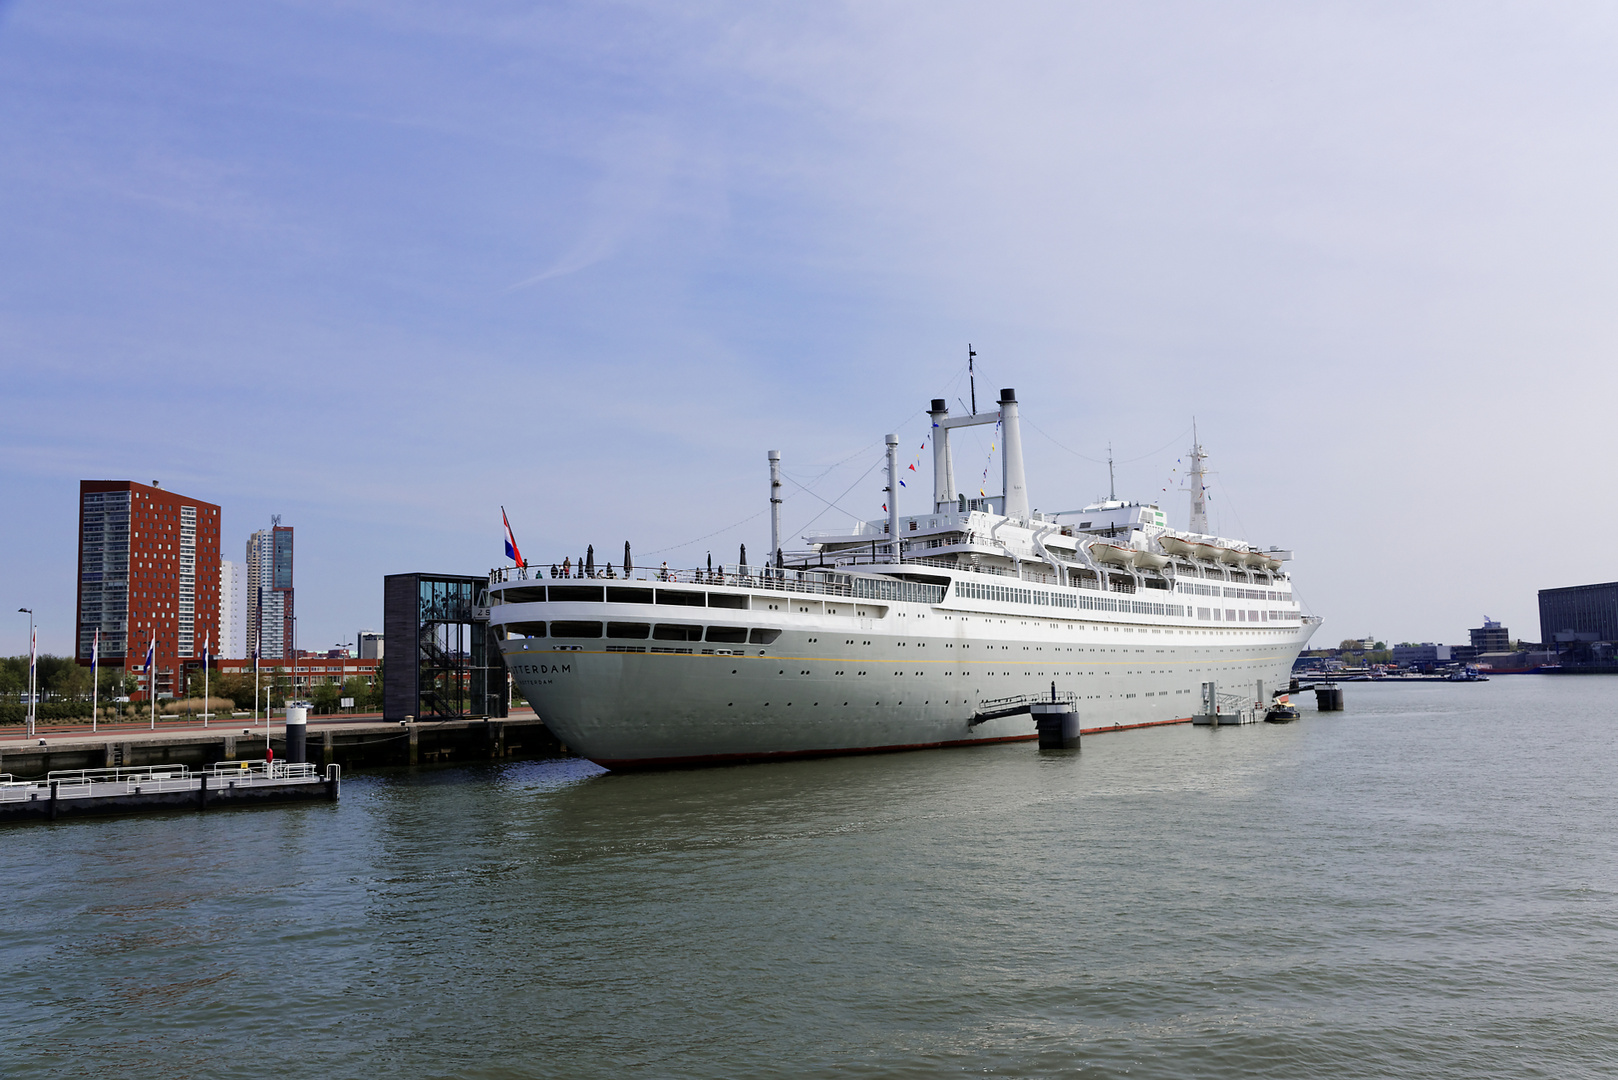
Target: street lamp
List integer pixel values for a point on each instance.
(31, 663)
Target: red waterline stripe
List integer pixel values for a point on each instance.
(628, 764)
(1131, 727)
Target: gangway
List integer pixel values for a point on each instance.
(995, 708)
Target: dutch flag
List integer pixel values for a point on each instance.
(511, 542)
(151, 650)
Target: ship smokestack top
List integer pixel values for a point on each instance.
(1015, 483)
(943, 463)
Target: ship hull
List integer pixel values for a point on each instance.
(840, 679)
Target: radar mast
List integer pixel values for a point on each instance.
(1199, 494)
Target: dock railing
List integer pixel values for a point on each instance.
(266, 770)
(156, 779)
(73, 782)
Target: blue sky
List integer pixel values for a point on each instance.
(382, 268)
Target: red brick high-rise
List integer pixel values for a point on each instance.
(148, 570)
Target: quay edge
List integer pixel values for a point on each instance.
(350, 745)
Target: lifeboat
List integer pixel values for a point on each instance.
(1152, 559)
(1123, 555)
(1113, 554)
(1207, 552)
(1231, 556)
(1271, 563)
(1175, 546)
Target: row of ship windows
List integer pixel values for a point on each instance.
(1006, 594)
(728, 635)
(1243, 615)
(964, 589)
(860, 589)
(976, 591)
(1235, 594)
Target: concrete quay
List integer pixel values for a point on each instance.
(350, 743)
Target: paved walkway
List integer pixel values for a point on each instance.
(183, 727)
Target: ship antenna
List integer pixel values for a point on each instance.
(972, 377)
(1112, 486)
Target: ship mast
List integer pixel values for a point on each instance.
(971, 376)
(775, 508)
(1199, 496)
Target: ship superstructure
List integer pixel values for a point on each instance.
(915, 630)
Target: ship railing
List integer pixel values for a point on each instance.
(805, 578)
(828, 579)
(827, 582)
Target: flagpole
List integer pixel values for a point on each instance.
(33, 680)
(95, 688)
(207, 645)
(151, 676)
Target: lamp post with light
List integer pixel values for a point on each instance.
(32, 661)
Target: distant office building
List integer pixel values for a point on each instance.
(368, 645)
(148, 575)
(232, 643)
(1426, 655)
(1578, 614)
(269, 592)
(1491, 637)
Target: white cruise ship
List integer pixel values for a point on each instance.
(921, 630)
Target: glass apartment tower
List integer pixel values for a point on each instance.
(269, 592)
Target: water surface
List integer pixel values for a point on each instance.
(1421, 886)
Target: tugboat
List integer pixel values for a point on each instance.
(1281, 711)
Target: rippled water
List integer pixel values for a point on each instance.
(1424, 885)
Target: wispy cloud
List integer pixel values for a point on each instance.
(635, 167)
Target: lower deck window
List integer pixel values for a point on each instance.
(575, 629)
(733, 635)
(636, 630)
(677, 632)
